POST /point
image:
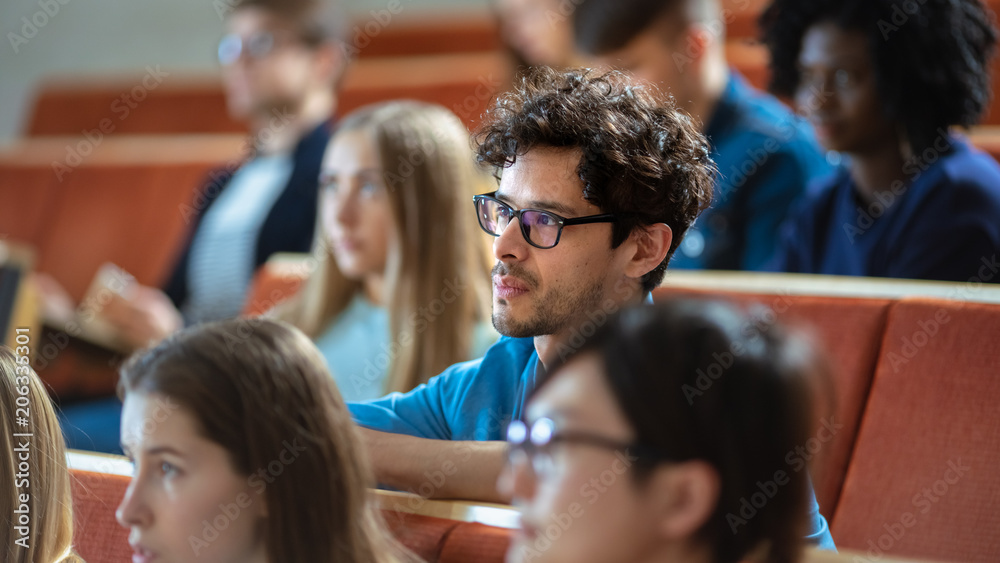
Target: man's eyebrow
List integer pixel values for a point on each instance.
(560, 208)
(543, 204)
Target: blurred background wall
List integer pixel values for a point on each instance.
(107, 36)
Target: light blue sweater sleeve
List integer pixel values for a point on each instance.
(819, 531)
(468, 401)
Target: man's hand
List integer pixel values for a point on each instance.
(145, 319)
(437, 468)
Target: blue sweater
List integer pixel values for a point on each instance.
(944, 224)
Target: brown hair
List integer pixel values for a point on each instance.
(643, 159)
(254, 386)
(604, 26)
(316, 21)
(753, 408)
(430, 175)
(43, 476)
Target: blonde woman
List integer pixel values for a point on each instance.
(36, 506)
(401, 290)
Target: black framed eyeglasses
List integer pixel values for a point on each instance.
(534, 441)
(540, 228)
(257, 45)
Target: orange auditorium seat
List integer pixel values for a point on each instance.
(923, 480)
(97, 536)
(274, 282)
(122, 105)
(126, 201)
(472, 541)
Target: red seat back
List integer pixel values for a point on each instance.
(924, 479)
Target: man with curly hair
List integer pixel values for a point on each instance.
(598, 181)
(882, 85)
(766, 154)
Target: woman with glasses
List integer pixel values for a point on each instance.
(244, 452)
(883, 87)
(401, 290)
(631, 451)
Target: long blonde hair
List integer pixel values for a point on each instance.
(40, 473)
(438, 275)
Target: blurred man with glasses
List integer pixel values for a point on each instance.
(598, 181)
(281, 64)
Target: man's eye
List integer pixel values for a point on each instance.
(843, 78)
(168, 468)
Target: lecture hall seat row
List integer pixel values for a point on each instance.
(436, 531)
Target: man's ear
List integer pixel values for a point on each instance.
(684, 496)
(332, 58)
(701, 38)
(652, 243)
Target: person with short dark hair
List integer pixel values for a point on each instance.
(915, 200)
(599, 180)
(647, 470)
(766, 155)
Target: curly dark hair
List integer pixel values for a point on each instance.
(643, 159)
(931, 57)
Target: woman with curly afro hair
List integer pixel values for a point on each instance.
(882, 82)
